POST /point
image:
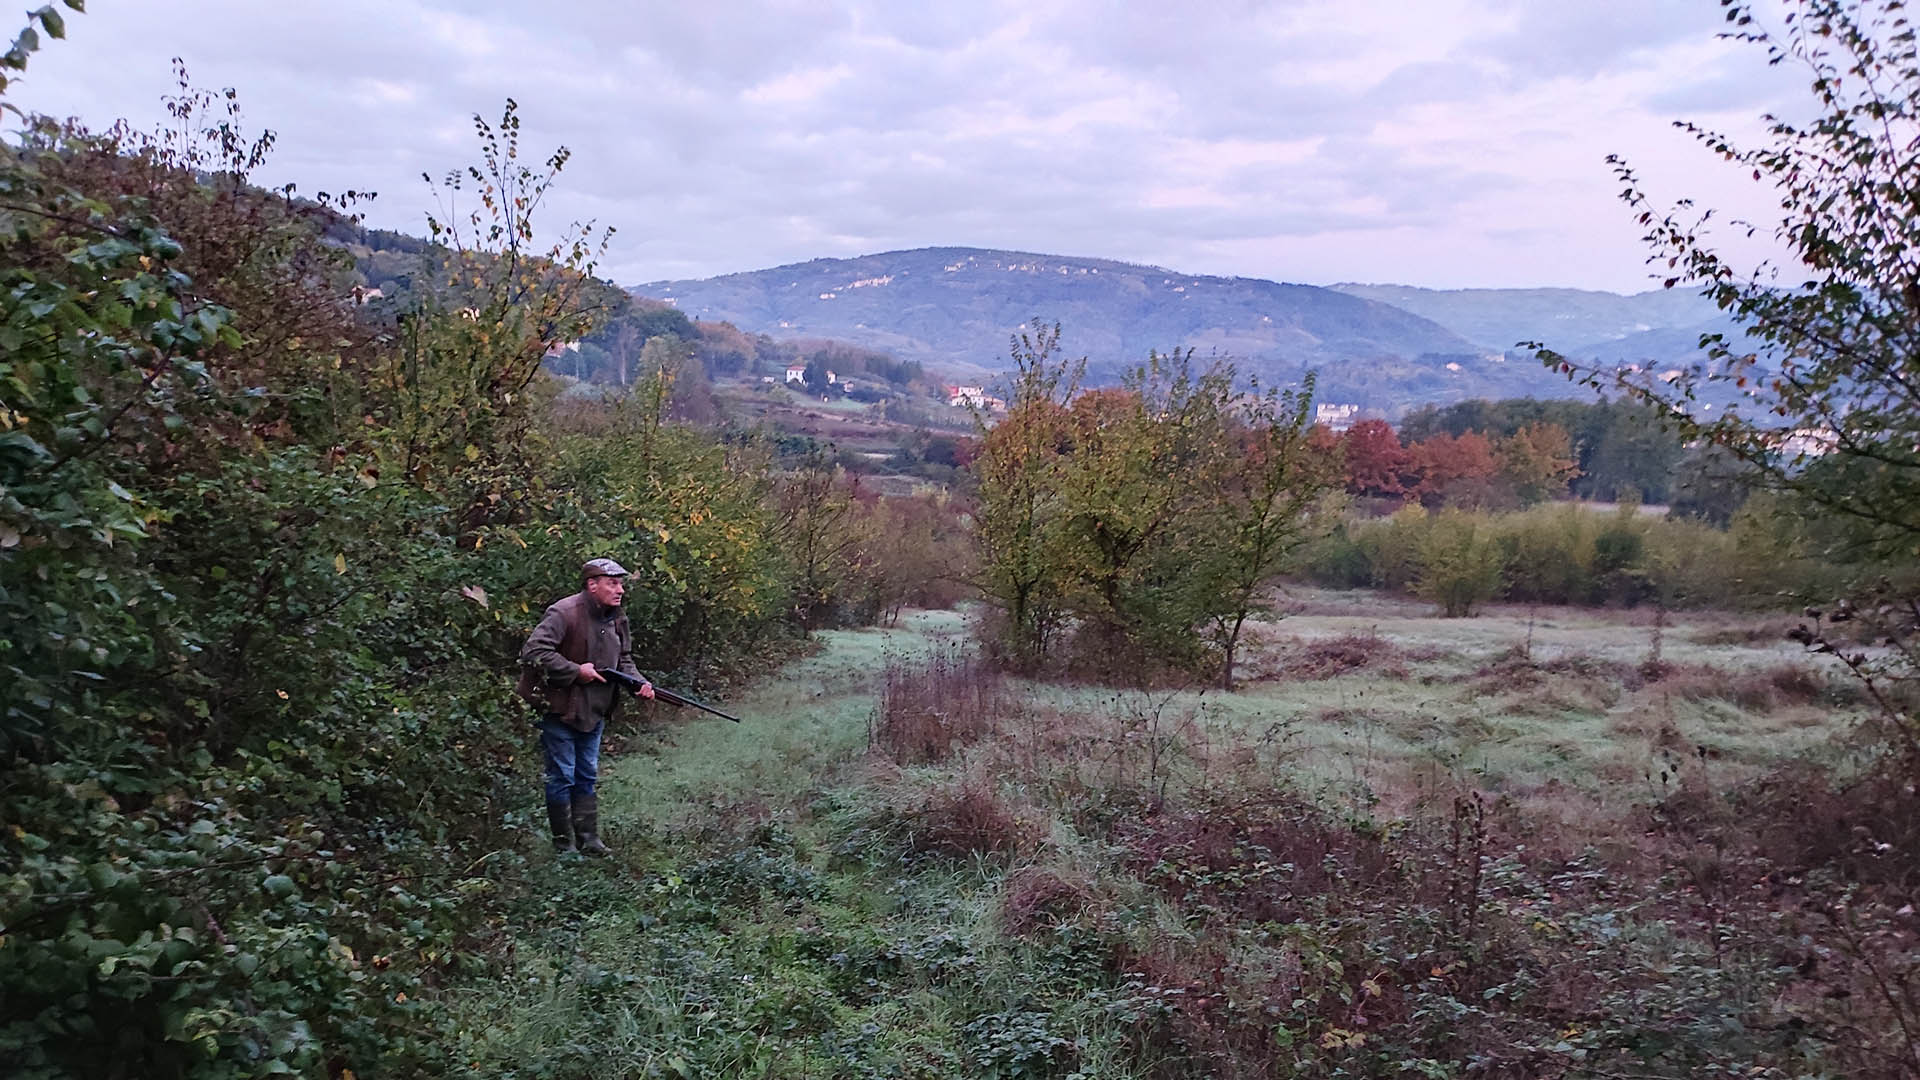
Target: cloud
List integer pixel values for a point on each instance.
(1455, 142)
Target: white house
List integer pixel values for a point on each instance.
(967, 396)
(1809, 442)
(796, 373)
(1339, 417)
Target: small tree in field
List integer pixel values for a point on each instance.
(1139, 475)
(1020, 510)
(1276, 490)
(1460, 565)
(1820, 398)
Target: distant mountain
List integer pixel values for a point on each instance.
(1668, 346)
(1574, 321)
(953, 309)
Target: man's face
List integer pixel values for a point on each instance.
(607, 590)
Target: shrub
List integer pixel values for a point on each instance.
(1460, 566)
(926, 712)
(1393, 546)
(1035, 897)
(1325, 658)
(1565, 553)
(1762, 690)
(968, 817)
(1337, 560)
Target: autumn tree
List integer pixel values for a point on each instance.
(1536, 463)
(1140, 471)
(494, 302)
(817, 513)
(1453, 469)
(1020, 511)
(915, 551)
(1375, 460)
(1273, 497)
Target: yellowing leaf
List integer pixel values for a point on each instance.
(340, 563)
(474, 593)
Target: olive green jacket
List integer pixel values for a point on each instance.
(576, 630)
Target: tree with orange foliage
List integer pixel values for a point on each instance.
(1455, 470)
(1375, 460)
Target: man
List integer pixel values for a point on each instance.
(579, 637)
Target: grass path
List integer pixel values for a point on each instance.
(798, 730)
(735, 933)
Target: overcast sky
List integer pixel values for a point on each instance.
(1445, 143)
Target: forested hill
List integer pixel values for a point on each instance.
(953, 308)
(1658, 325)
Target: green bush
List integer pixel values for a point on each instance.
(1460, 566)
(1549, 552)
(264, 561)
(1392, 547)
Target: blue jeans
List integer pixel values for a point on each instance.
(573, 759)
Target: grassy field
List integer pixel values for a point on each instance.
(1400, 848)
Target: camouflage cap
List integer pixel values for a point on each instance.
(603, 568)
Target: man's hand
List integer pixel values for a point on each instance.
(645, 690)
(588, 674)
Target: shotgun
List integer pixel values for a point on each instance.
(661, 693)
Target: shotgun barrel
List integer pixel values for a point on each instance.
(671, 697)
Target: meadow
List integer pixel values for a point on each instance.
(1506, 846)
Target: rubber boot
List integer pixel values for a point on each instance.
(560, 823)
(586, 825)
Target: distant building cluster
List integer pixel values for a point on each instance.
(1809, 442)
(797, 373)
(1336, 416)
(973, 397)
